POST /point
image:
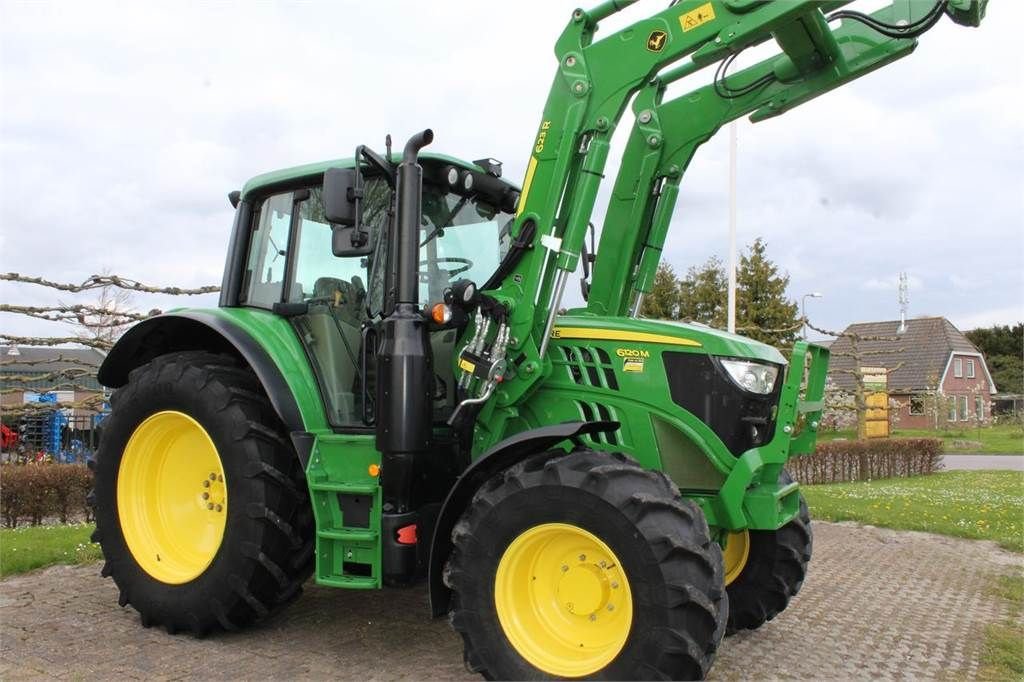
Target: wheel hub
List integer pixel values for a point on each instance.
(735, 554)
(172, 498)
(563, 600)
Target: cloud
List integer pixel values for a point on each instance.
(124, 126)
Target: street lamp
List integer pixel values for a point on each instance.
(803, 308)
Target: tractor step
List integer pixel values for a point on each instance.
(348, 535)
(350, 582)
(348, 547)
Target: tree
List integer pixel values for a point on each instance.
(703, 294)
(663, 301)
(109, 317)
(762, 310)
(1003, 348)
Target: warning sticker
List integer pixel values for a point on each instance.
(697, 17)
(466, 365)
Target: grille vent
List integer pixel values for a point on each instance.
(598, 412)
(589, 366)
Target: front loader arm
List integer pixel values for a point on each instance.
(594, 83)
(812, 61)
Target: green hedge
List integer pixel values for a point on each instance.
(864, 460)
(31, 493)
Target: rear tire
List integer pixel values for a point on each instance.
(774, 571)
(640, 535)
(266, 551)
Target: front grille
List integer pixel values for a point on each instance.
(742, 420)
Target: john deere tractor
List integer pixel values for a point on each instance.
(389, 390)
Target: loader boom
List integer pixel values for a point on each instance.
(597, 78)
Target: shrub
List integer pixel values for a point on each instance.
(861, 460)
(34, 492)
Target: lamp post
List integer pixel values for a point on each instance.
(803, 308)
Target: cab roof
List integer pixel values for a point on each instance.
(288, 175)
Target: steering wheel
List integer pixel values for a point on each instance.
(465, 264)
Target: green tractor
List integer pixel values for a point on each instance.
(389, 392)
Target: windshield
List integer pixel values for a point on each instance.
(461, 237)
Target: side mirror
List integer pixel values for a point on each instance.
(342, 194)
(349, 241)
(341, 204)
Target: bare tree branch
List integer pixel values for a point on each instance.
(99, 344)
(100, 281)
(77, 313)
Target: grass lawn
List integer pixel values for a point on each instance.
(1002, 439)
(23, 549)
(983, 505)
(1003, 658)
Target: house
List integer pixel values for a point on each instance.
(32, 377)
(28, 371)
(936, 377)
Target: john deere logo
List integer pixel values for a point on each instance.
(656, 41)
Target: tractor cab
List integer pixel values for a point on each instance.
(335, 297)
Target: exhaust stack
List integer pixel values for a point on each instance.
(405, 375)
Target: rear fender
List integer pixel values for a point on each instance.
(498, 458)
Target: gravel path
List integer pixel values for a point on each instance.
(876, 604)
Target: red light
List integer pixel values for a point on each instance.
(407, 535)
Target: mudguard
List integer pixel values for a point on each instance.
(500, 457)
(198, 330)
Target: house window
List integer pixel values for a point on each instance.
(958, 368)
(917, 404)
(952, 409)
(979, 408)
(970, 369)
(963, 408)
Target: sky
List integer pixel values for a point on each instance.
(123, 126)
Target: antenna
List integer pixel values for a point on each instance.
(904, 298)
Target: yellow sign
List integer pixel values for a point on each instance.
(466, 365)
(697, 17)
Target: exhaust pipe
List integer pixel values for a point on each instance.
(405, 374)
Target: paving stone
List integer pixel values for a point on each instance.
(877, 604)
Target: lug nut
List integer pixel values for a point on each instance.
(220, 478)
(220, 508)
(206, 484)
(213, 477)
(615, 585)
(206, 496)
(564, 568)
(611, 607)
(583, 557)
(209, 505)
(593, 616)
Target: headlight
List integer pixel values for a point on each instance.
(752, 376)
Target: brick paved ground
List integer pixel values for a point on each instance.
(876, 604)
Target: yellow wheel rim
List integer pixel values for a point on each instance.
(563, 600)
(735, 554)
(171, 497)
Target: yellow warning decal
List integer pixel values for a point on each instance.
(466, 365)
(697, 17)
(633, 366)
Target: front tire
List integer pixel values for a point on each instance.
(774, 565)
(585, 565)
(201, 509)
